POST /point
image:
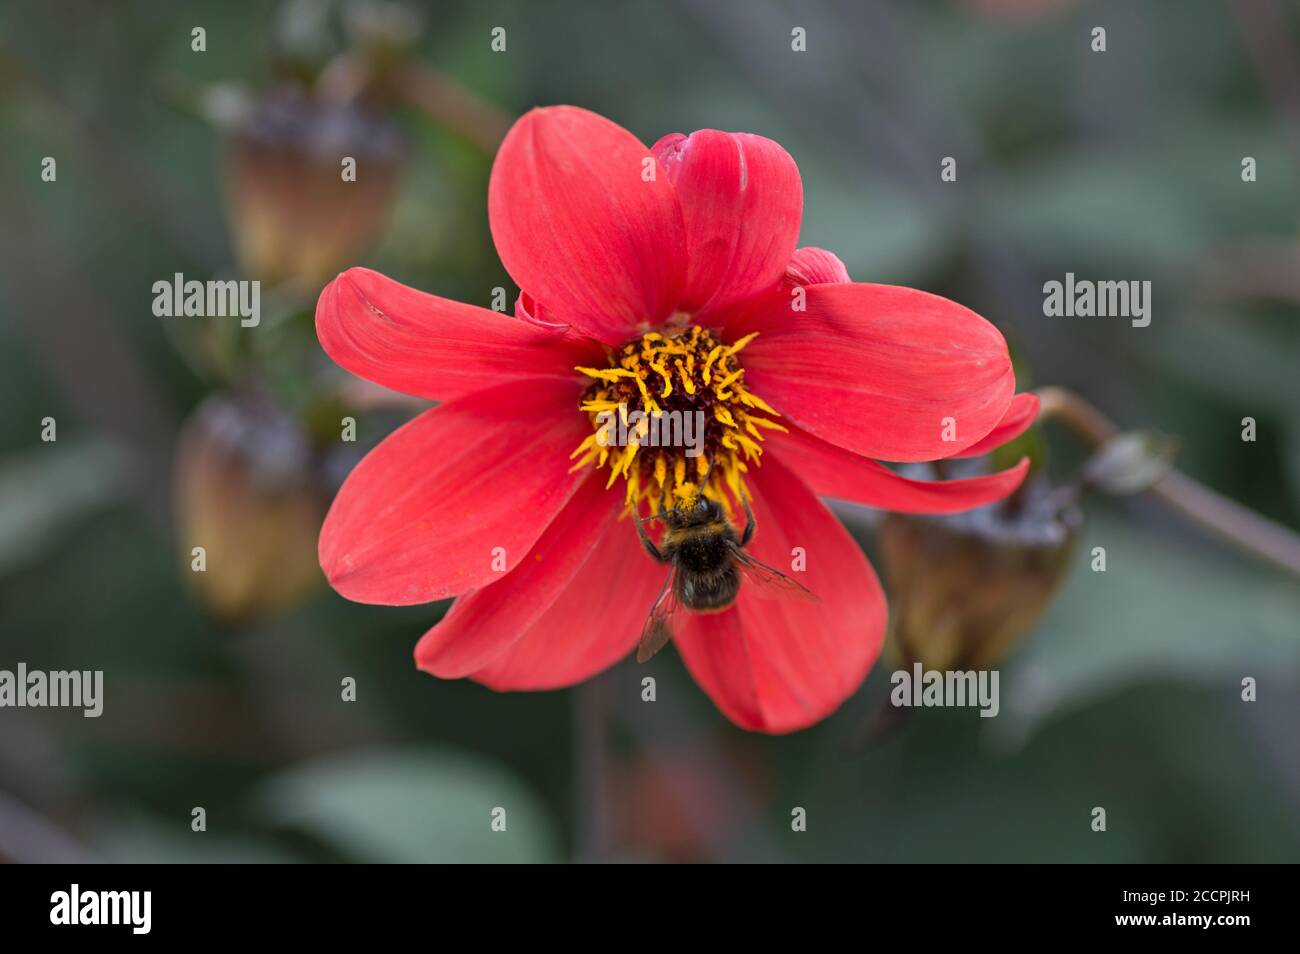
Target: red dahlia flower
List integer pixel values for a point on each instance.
(660, 279)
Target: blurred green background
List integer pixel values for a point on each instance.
(226, 695)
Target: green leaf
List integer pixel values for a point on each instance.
(1164, 609)
(46, 491)
(412, 806)
(140, 840)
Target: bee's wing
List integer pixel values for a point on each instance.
(769, 582)
(658, 626)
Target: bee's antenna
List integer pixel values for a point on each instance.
(708, 470)
(663, 507)
(704, 483)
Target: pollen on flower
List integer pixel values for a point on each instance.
(673, 375)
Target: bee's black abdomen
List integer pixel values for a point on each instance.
(705, 592)
(702, 547)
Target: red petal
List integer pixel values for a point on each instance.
(834, 472)
(481, 625)
(420, 517)
(742, 201)
(879, 369)
(593, 623)
(780, 665)
(433, 347)
(1020, 414)
(579, 227)
(531, 311)
(815, 266)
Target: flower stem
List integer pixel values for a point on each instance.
(447, 102)
(1264, 30)
(591, 771)
(1211, 511)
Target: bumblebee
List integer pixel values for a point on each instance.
(707, 561)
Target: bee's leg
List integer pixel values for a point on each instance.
(750, 523)
(646, 542)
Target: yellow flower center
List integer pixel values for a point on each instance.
(672, 412)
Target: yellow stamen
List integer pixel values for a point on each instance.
(708, 364)
(739, 345)
(678, 373)
(668, 379)
(685, 373)
(607, 374)
(730, 379)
